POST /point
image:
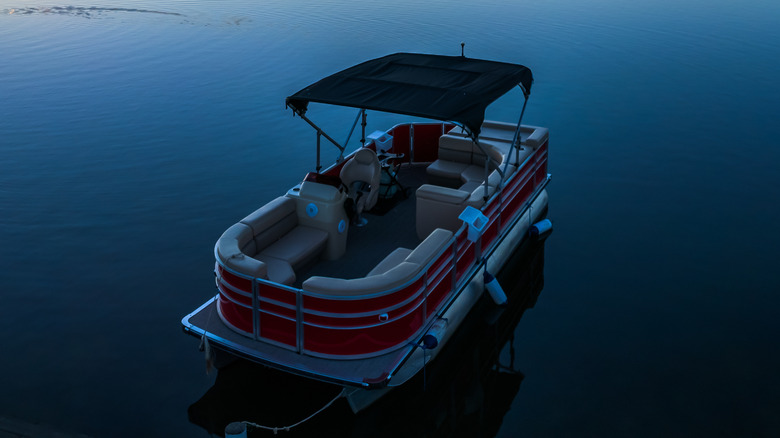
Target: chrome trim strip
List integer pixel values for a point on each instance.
(358, 327)
(416, 295)
(232, 288)
(229, 298)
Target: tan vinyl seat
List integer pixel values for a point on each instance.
(361, 175)
(460, 160)
(271, 243)
(439, 207)
(396, 270)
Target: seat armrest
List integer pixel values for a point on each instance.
(537, 138)
(235, 249)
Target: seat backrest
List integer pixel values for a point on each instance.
(364, 167)
(271, 221)
(457, 149)
(430, 247)
(393, 278)
(464, 150)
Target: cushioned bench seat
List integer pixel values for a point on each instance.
(298, 246)
(530, 136)
(460, 160)
(270, 243)
(392, 260)
(456, 178)
(445, 171)
(397, 269)
(473, 173)
(278, 270)
(439, 207)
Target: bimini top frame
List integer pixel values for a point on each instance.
(448, 88)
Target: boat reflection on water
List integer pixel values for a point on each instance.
(465, 392)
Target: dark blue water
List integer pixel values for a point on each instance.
(132, 135)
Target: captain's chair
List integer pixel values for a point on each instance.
(361, 176)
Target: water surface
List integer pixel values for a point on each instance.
(132, 135)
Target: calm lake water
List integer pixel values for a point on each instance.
(133, 134)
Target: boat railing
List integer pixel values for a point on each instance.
(365, 325)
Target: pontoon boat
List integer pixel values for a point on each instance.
(359, 274)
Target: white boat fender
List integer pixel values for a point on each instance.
(494, 289)
(540, 228)
(435, 334)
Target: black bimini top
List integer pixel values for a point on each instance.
(448, 88)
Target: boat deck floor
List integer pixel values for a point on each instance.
(389, 226)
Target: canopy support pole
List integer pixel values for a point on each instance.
(515, 142)
(319, 166)
(320, 132)
(488, 159)
(363, 125)
(362, 111)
